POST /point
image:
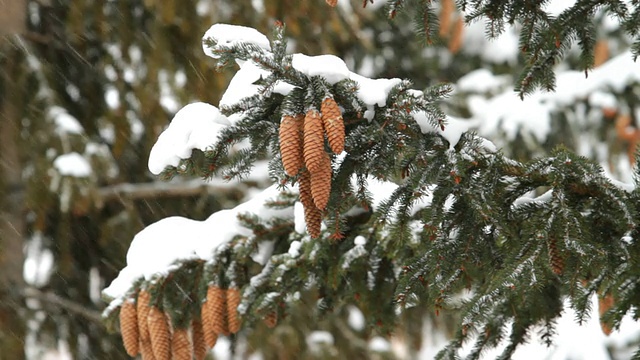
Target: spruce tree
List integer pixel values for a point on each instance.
(416, 217)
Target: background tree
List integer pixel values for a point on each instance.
(102, 80)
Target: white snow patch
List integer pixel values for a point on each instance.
(39, 262)
(195, 126)
(176, 238)
(226, 35)
(72, 164)
(331, 67)
(379, 344)
(65, 122)
(355, 319)
(481, 81)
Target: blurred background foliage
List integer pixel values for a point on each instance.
(99, 80)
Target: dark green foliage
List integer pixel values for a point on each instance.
(544, 39)
(463, 233)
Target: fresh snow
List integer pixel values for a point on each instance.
(72, 164)
(195, 126)
(231, 35)
(156, 248)
(64, 122)
(331, 67)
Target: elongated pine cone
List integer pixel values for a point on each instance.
(181, 347)
(160, 334)
(604, 304)
(129, 327)
(555, 258)
(291, 143)
(313, 147)
(233, 300)
(216, 320)
(271, 320)
(143, 309)
(199, 345)
(321, 183)
(207, 315)
(312, 215)
(333, 124)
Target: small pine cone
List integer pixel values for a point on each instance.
(181, 347)
(455, 42)
(160, 334)
(143, 313)
(332, 3)
(233, 300)
(129, 328)
(271, 320)
(333, 124)
(209, 317)
(313, 147)
(321, 183)
(600, 53)
(291, 144)
(605, 303)
(218, 318)
(312, 215)
(555, 258)
(199, 345)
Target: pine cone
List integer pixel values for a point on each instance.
(143, 328)
(333, 124)
(555, 258)
(332, 3)
(313, 148)
(217, 317)
(209, 317)
(291, 144)
(199, 345)
(271, 320)
(321, 183)
(605, 303)
(312, 215)
(160, 335)
(129, 327)
(233, 300)
(181, 347)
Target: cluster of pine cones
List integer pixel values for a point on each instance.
(147, 330)
(303, 155)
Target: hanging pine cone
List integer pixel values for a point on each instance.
(160, 335)
(555, 258)
(207, 314)
(199, 345)
(216, 319)
(271, 320)
(605, 303)
(291, 143)
(313, 147)
(129, 327)
(333, 124)
(233, 301)
(142, 307)
(321, 183)
(181, 347)
(312, 215)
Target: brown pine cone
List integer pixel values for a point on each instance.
(209, 317)
(271, 320)
(291, 143)
(233, 300)
(555, 257)
(160, 334)
(333, 124)
(199, 345)
(321, 183)
(312, 215)
(218, 299)
(143, 308)
(313, 147)
(129, 327)
(181, 347)
(605, 303)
